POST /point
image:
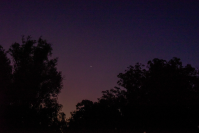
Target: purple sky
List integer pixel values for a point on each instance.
(108, 35)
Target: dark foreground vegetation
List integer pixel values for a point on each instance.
(161, 97)
(29, 85)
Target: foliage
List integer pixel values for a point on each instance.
(161, 96)
(5, 81)
(36, 83)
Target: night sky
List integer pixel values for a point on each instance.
(108, 35)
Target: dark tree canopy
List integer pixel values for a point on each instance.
(161, 96)
(165, 95)
(5, 81)
(35, 85)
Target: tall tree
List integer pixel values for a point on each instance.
(5, 81)
(36, 83)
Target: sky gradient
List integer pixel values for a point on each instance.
(108, 35)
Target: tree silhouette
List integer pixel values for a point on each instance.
(94, 116)
(5, 81)
(35, 86)
(161, 96)
(165, 95)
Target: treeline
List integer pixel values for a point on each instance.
(161, 96)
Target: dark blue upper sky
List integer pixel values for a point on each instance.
(109, 35)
